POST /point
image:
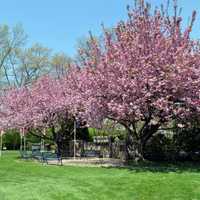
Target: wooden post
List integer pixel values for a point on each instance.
(1, 142)
(24, 143)
(42, 140)
(23, 134)
(21, 140)
(74, 139)
(110, 147)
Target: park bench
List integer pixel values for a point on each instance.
(25, 154)
(91, 153)
(49, 156)
(43, 157)
(37, 155)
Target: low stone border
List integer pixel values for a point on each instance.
(92, 162)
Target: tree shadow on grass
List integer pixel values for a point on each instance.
(162, 167)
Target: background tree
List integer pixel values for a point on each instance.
(11, 39)
(60, 63)
(21, 65)
(28, 64)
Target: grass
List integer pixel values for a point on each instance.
(27, 180)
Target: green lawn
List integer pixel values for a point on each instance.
(26, 180)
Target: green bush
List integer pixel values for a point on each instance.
(11, 140)
(158, 147)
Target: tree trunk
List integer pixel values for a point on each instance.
(62, 145)
(135, 143)
(134, 148)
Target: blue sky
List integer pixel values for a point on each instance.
(58, 24)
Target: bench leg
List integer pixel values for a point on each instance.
(59, 162)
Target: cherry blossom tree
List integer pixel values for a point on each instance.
(40, 106)
(147, 74)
